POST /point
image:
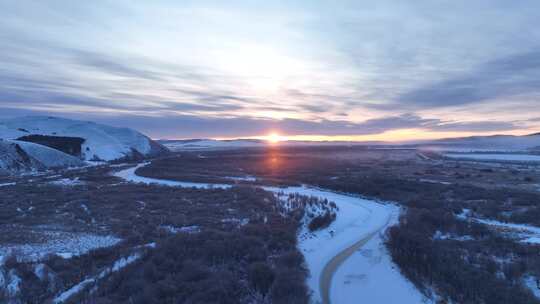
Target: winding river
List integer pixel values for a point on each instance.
(358, 221)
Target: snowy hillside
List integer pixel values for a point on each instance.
(99, 142)
(489, 143)
(17, 157)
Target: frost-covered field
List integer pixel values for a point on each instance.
(495, 157)
(357, 219)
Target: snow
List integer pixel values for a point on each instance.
(211, 144)
(432, 181)
(101, 141)
(526, 233)
(236, 221)
(445, 236)
(7, 184)
(117, 266)
(39, 271)
(242, 179)
(66, 182)
(14, 283)
(357, 219)
(531, 283)
(65, 245)
(184, 229)
(495, 157)
(39, 157)
(532, 240)
(2, 279)
(488, 143)
(129, 175)
(369, 274)
(73, 291)
(123, 262)
(48, 156)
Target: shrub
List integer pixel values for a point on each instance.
(261, 277)
(321, 221)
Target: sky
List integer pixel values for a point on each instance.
(312, 70)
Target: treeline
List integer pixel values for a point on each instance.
(256, 266)
(487, 269)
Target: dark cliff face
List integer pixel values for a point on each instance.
(68, 145)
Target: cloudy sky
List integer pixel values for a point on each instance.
(356, 70)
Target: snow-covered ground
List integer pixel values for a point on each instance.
(495, 157)
(67, 182)
(370, 275)
(77, 288)
(357, 219)
(184, 229)
(242, 179)
(532, 283)
(62, 244)
(526, 233)
(129, 175)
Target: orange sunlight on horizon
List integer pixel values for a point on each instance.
(400, 135)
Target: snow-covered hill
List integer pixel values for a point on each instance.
(489, 143)
(19, 157)
(99, 142)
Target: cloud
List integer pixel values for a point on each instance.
(198, 69)
(113, 66)
(501, 78)
(192, 126)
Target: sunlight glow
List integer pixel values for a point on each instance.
(274, 138)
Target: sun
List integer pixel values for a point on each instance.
(274, 138)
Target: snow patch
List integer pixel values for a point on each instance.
(13, 283)
(445, 236)
(533, 284)
(184, 229)
(236, 221)
(117, 266)
(65, 245)
(129, 175)
(67, 182)
(495, 157)
(526, 233)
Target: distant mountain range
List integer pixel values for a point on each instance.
(495, 142)
(39, 142)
